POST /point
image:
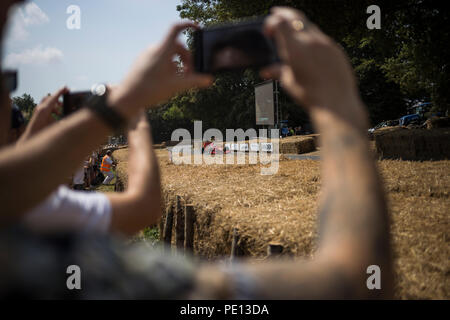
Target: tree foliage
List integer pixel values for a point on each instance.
(403, 62)
(25, 103)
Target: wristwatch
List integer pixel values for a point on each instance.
(99, 105)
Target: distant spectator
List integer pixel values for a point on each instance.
(291, 131)
(284, 132)
(91, 169)
(106, 167)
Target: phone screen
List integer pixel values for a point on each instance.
(233, 47)
(74, 101)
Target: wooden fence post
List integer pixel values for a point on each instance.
(167, 236)
(118, 186)
(179, 227)
(236, 250)
(189, 219)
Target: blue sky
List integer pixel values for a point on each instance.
(48, 55)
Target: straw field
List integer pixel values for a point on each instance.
(282, 208)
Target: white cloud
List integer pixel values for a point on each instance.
(37, 56)
(33, 15)
(23, 17)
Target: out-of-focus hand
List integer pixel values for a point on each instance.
(49, 106)
(140, 120)
(314, 69)
(43, 114)
(155, 77)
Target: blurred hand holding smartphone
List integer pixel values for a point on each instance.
(74, 101)
(227, 47)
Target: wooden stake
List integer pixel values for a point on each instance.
(179, 228)
(236, 250)
(167, 237)
(189, 219)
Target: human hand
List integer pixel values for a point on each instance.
(314, 70)
(155, 76)
(43, 114)
(49, 106)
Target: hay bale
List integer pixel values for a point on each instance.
(121, 156)
(297, 145)
(171, 143)
(435, 123)
(413, 144)
(159, 146)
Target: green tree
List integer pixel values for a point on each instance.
(405, 61)
(25, 103)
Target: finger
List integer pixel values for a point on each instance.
(292, 14)
(196, 80)
(185, 57)
(279, 20)
(289, 13)
(54, 98)
(44, 99)
(279, 29)
(57, 109)
(176, 30)
(271, 72)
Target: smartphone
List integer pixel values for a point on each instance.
(231, 47)
(74, 101)
(10, 80)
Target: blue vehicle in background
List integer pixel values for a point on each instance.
(417, 115)
(405, 120)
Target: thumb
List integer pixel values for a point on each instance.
(271, 72)
(196, 80)
(54, 97)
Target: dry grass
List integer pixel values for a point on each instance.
(282, 208)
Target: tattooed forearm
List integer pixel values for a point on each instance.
(353, 219)
(353, 231)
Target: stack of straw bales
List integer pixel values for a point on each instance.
(434, 123)
(297, 145)
(413, 144)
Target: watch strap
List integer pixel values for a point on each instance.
(98, 104)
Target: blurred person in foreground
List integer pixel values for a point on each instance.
(67, 210)
(353, 227)
(32, 170)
